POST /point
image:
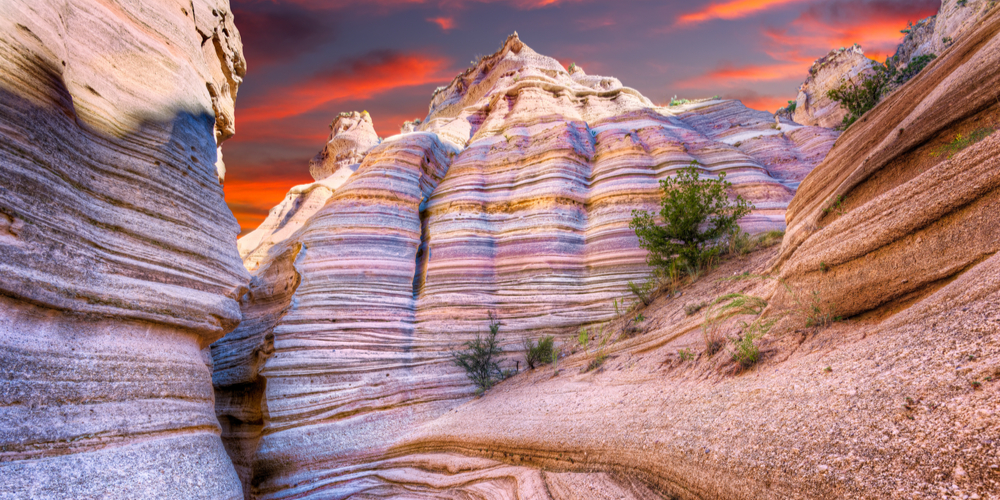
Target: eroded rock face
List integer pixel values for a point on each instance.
(813, 106)
(352, 135)
(115, 247)
(906, 387)
(514, 195)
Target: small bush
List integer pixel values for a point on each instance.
(745, 352)
(859, 97)
(916, 65)
(791, 106)
(962, 141)
(644, 291)
(690, 309)
(583, 337)
(597, 362)
(481, 357)
(696, 213)
(685, 354)
(677, 102)
(538, 353)
(770, 238)
(729, 306)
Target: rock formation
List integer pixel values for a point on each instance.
(897, 231)
(928, 37)
(514, 195)
(117, 268)
(813, 106)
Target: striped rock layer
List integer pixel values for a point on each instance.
(897, 232)
(116, 262)
(514, 195)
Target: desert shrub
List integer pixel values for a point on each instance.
(696, 213)
(731, 305)
(791, 106)
(770, 238)
(962, 141)
(685, 354)
(859, 96)
(811, 310)
(690, 309)
(677, 102)
(643, 291)
(916, 65)
(481, 357)
(539, 353)
(738, 242)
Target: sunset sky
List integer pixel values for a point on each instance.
(311, 59)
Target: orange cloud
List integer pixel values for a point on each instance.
(731, 76)
(251, 200)
(733, 9)
(446, 23)
(339, 4)
(356, 79)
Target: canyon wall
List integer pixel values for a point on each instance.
(117, 263)
(514, 195)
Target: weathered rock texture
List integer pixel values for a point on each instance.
(514, 196)
(898, 401)
(929, 36)
(813, 106)
(936, 33)
(116, 262)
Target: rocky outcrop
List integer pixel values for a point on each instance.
(935, 34)
(514, 195)
(352, 135)
(897, 401)
(116, 261)
(813, 106)
(927, 38)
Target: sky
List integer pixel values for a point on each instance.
(309, 60)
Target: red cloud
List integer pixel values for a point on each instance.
(251, 200)
(339, 4)
(446, 23)
(356, 79)
(730, 76)
(733, 9)
(875, 25)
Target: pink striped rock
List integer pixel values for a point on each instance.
(514, 196)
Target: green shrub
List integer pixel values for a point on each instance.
(745, 352)
(696, 213)
(690, 309)
(791, 106)
(677, 102)
(859, 97)
(481, 357)
(644, 291)
(916, 65)
(962, 141)
(685, 354)
(728, 306)
(539, 353)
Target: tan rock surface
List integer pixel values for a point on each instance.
(514, 195)
(116, 263)
(813, 106)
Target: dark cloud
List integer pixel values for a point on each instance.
(272, 35)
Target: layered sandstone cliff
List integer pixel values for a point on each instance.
(117, 267)
(897, 233)
(513, 196)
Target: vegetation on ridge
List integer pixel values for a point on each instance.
(697, 215)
